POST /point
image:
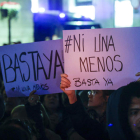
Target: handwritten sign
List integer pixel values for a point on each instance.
(101, 59)
(33, 66)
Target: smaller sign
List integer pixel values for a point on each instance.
(32, 66)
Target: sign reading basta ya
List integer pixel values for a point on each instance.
(101, 59)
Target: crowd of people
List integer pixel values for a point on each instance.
(72, 115)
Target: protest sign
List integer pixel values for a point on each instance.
(101, 59)
(32, 66)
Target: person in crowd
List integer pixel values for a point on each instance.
(87, 127)
(54, 107)
(10, 103)
(97, 102)
(138, 74)
(35, 112)
(66, 124)
(123, 113)
(60, 121)
(84, 125)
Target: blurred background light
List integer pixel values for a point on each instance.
(34, 7)
(86, 11)
(92, 27)
(62, 15)
(41, 10)
(79, 23)
(77, 15)
(110, 124)
(123, 14)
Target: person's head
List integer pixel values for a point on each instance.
(20, 112)
(52, 102)
(129, 110)
(98, 98)
(134, 116)
(11, 102)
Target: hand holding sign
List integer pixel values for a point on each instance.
(33, 98)
(138, 74)
(65, 83)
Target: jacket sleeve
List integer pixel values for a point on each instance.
(88, 128)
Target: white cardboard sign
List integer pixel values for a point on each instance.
(32, 66)
(101, 59)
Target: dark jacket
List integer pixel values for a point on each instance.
(88, 128)
(113, 123)
(118, 112)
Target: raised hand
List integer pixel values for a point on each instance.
(138, 74)
(33, 98)
(65, 83)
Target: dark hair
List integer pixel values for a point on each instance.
(42, 97)
(65, 99)
(130, 91)
(84, 96)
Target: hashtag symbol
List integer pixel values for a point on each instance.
(67, 44)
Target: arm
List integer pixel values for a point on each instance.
(88, 128)
(83, 124)
(65, 83)
(33, 108)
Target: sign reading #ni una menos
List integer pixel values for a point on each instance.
(32, 66)
(101, 59)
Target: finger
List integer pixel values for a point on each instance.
(34, 99)
(137, 74)
(64, 75)
(63, 86)
(138, 80)
(65, 80)
(32, 93)
(35, 96)
(67, 83)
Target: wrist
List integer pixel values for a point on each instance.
(72, 98)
